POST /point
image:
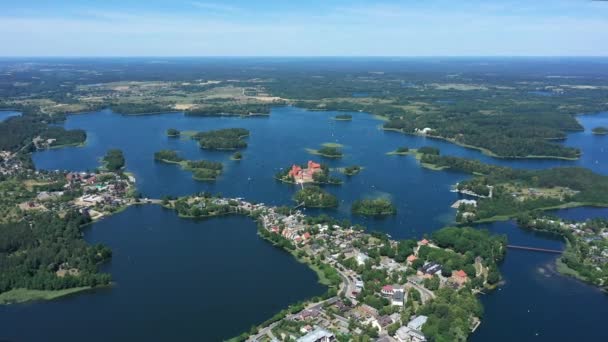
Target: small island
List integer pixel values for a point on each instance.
(202, 170)
(374, 207)
(173, 133)
(351, 170)
(315, 197)
(600, 130)
(343, 117)
(328, 150)
(314, 173)
(402, 151)
(236, 156)
(222, 139)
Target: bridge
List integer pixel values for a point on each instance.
(535, 249)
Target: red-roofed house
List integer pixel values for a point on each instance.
(312, 165)
(460, 277)
(387, 290)
(411, 258)
(423, 242)
(306, 236)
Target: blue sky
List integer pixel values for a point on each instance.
(303, 28)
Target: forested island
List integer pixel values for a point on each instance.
(222, 139)
(202, 170)
(402, 151)
(328, 151)
(311, 173)
(516, 191)
(373, 207)
(314, 197)
(343, 117)
(600, 130)
(351, 170)
(172, 132)
(236, 155)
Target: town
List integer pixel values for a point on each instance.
(380, 288)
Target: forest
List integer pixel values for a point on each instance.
(114, 160)
(373, 207)
(222, 139)
(314, 197)
(35, 248)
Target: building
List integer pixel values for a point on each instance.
(411, 258)
(318, 335)
(459, 277)
(361, 258)
(387, 290)
(397, 298)
(430, 268)
(301, 175)
(417, 322)
(407, 334)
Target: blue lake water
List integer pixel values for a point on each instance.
(175, 258)
(5, 114)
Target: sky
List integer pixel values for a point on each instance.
(303, 28)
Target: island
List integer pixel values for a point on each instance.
(401, 151)
(312, 172)
(202, 170)
(328, 150)
(173, 133)
(407, 288)
(314, 197)
(222, 139)
(343, 117)
(373, 207)
(351, 170)
(236, 156)
(600, 130)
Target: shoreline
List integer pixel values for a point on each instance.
(483, 150)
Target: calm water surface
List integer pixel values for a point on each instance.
(195, 279)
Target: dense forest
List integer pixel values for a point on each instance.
(315, 197)
(17, 132)
(373, 207)
(34, 249)
(228, 108)
(222, 139)
(114, 160)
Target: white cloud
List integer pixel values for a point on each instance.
(215, 7)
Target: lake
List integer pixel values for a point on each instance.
(172, 272)
(5, 114)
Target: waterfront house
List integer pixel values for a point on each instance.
(459, 277)
(318, 335)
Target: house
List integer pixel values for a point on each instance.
(311, 313)
(397, 298)
(361, 258)
(387, 290)
(423, 242)
(459, 277)
(417, 322)
(407, 334)
(430, 268)
(367, 310)
(385, 321)
(318, 335)
(411, 258)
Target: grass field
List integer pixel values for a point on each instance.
(25, 295)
